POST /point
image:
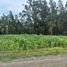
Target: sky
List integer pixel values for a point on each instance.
(14, 5)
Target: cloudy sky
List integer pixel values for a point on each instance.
(14, 5)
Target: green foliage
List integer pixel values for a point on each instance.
(37, 17)
(20, 46)
(31, 42)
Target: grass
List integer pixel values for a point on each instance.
(21, 46)
(10, 55)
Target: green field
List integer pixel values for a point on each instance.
(17, 46)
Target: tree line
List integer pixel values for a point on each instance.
(37, 17)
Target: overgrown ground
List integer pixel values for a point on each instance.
(21, 46)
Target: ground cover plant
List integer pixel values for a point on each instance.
(14, 46)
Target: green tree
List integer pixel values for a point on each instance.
(35, 14)
(52, 18)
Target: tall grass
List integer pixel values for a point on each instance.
(30, 42)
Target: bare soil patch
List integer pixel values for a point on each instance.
(48, 61)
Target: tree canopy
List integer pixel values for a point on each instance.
(37, 17)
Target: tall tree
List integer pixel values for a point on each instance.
(36, 12)
(52, 17)
(61, 15)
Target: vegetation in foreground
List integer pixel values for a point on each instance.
(15, 46)
(30, 42)
(11, 55)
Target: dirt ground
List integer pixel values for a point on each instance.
(48, 61)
